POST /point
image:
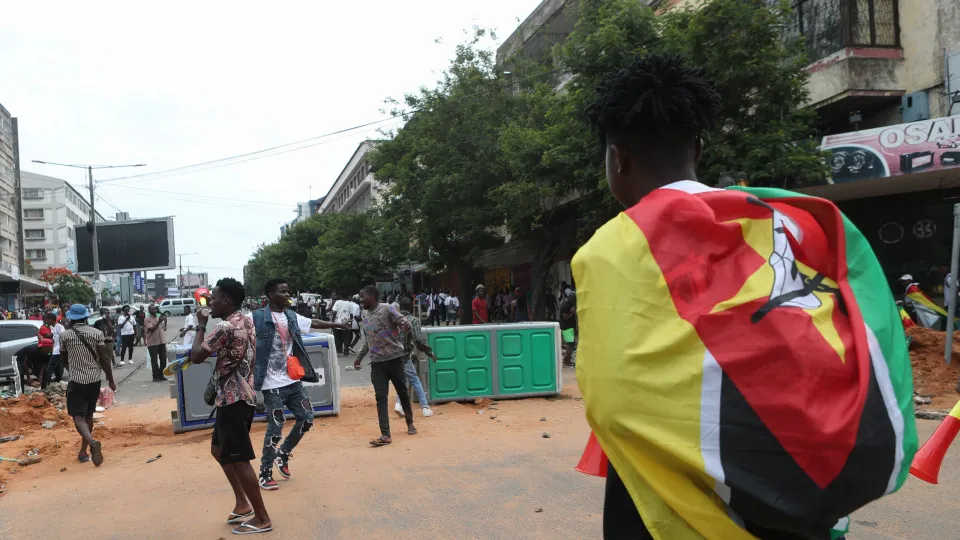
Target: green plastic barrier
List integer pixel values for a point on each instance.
(494, 361)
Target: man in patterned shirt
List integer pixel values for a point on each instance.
(413, 340)
(382, 325)
(232, 340)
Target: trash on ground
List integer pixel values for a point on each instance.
(11, 438)
(48, 424)
(546, 435)
(106, 398)
(151, 460)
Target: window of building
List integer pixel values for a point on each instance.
(32, 193)
(33, 234)
(36, 254)
(828, 26)
(33, 213)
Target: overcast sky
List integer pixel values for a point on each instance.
(178, 83)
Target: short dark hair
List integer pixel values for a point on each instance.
(371, 290)
(656, 96)
(405, 304)
(272, 285)
(233, 289)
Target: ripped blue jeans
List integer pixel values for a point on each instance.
(294, 398)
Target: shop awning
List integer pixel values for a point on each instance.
(877, 187)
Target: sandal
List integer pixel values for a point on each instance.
(247, 528)
(239, 518)
(379, 441)
(83, 458)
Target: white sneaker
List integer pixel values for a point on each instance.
(399, 410)
(122, 363)
(427, 412)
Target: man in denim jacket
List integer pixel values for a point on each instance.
(279, 330)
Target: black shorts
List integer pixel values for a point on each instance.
(231, 433)
(82, 398)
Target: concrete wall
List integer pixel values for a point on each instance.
(534, 23)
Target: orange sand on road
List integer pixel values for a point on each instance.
(465, 475)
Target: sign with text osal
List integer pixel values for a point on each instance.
(926, 145)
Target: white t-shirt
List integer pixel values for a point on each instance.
(277, 363)
(354, 313)
(342, 311)
(453, 302)
(57, 330)
(127, 324)
(190, 320)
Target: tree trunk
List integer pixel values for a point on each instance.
(541, 270)
(466, 291)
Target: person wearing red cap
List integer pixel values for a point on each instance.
(520, 307)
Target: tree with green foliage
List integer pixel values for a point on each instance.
(354, 249)
(444, 165)
(329, 252)
(556, 160)
(72, 289)
(765, 130)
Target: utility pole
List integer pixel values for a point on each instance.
(93, 234)
(180, 279)
(95, 247)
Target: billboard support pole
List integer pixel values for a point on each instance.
(952, 285)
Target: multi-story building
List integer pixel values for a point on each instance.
(356, 190)
(304, 211)
(10, 262)
(51, 209)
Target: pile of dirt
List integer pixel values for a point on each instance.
(26, 413)
(931, 374)
(133, 430)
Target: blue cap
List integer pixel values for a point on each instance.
(78, 312)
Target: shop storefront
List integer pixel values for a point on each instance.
(898, 184)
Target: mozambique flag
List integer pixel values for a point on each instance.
(906, 320)
(742, 362)
(928, 312)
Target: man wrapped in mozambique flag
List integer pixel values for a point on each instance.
(742, 360)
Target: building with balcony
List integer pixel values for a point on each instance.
(884, 79)
(51, 209)
(355, 190)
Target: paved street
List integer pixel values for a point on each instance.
(135, 384)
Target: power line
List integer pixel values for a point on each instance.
(198, 198)
(288, 147)
(251, 156)
(161, 174)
